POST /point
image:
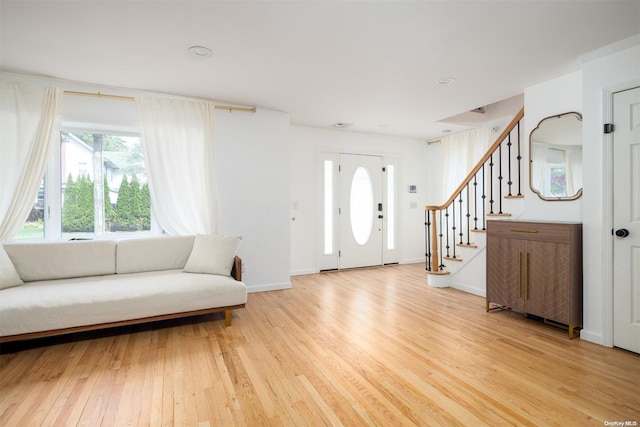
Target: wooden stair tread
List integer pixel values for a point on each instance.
(470, 245)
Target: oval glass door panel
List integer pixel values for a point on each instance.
(361, 206)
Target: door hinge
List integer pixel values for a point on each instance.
(339, 211)
(339, 254)
(339, 168)
(609, 128)
(384, 169)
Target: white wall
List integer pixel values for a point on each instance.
(556, 96)
(435, 171)
(306, 143)
(612, 69)
(589, 92)
(252, 156)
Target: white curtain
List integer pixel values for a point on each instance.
(177, 139)
(27, 115)
(573, 159)
(539, 152)
(461, 152)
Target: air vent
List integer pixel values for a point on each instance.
(200, 51)
(446, 81)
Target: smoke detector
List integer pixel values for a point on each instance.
(341, 125)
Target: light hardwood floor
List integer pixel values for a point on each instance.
(370, 347)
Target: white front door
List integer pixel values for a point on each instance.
(361, 211)
(626, 219)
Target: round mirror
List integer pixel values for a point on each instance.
(555, 152)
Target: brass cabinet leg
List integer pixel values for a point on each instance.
(573, 331)
(227, 318)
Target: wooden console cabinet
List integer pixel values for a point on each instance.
(535, 267)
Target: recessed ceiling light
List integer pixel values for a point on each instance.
(446, 81)
(341, 125)
(200, 51)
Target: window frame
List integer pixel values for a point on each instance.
(52, 186)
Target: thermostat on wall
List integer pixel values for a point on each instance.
(413, 189)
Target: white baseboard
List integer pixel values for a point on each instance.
(469, 289)
(413, 261)
(591, 336)
(303, 272)
(268, 287)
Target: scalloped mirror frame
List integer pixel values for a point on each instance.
(538, 192)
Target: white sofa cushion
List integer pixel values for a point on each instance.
(153, 254)
(8, 275)
(212, 254)
(58, 304)
(61, 260)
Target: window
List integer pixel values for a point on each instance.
(101, 188)
(328, 207)
(555, 180)
(361, 206)
(391, 207)
(555, 173)
(33, 227)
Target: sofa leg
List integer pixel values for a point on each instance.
(227, 318)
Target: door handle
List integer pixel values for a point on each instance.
(519, 274)
(526, 275)
(622, 233)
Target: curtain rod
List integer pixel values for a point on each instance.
(131, 98)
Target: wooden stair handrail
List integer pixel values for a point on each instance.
(434, 266)
(512, 124)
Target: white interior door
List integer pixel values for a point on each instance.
(626, 217)
(361, 211)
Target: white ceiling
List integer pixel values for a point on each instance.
(371, 63)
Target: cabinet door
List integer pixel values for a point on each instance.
(504, 272)
(547, 281)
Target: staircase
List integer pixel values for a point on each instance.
(455, 231)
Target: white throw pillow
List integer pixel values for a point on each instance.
(8, 275)
(212, 254)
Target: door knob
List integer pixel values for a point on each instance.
(622, 233)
